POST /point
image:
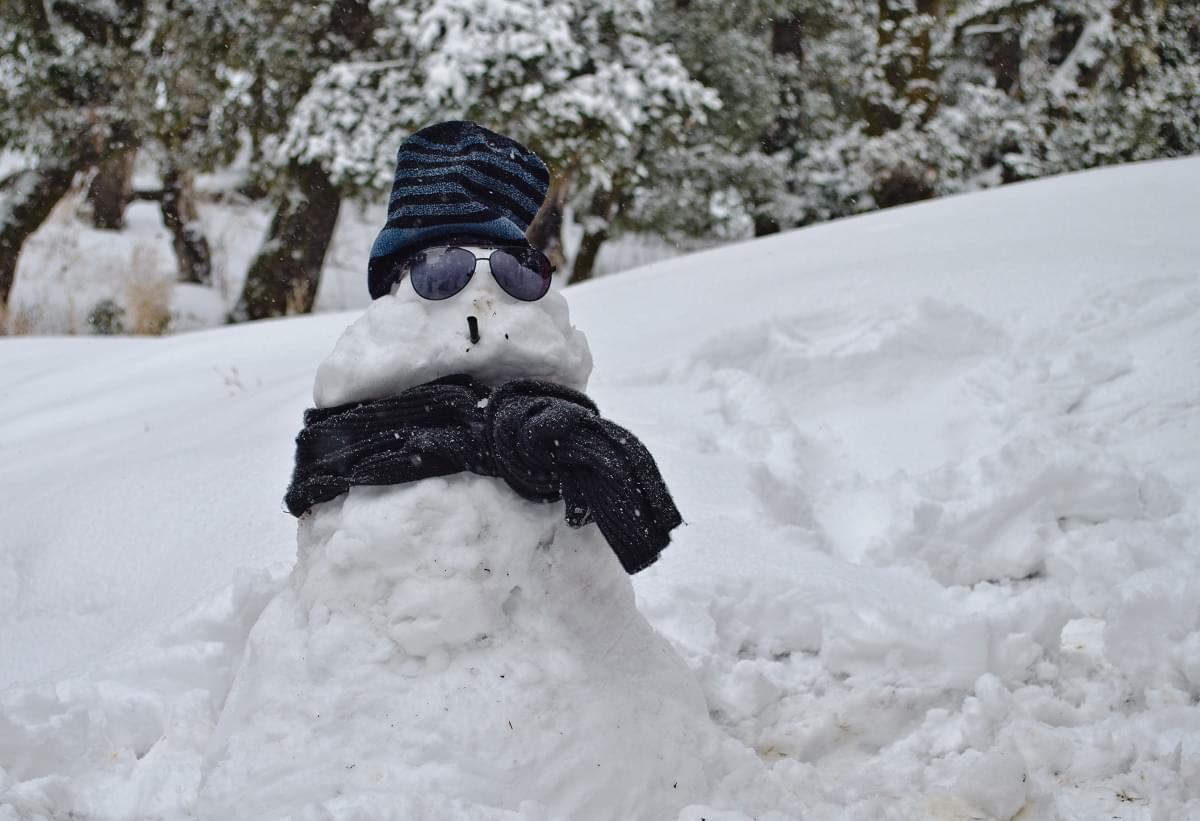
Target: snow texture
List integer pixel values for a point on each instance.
(403, 340)
(413, 609)
(940, 472)
(479, 657)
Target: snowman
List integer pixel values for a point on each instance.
(455, 641)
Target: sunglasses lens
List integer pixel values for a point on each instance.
(439, 273)
(522, 273)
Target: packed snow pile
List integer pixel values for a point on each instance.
(443, 646)
(941, 476)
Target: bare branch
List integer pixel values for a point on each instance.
(989, 15)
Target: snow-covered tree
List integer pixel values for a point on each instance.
(708, 182)
(284, 49)
(60, 104)
(689, 118)
(585, 84)
(87, 84)
(766, 114)
(960, 94)
(1120, 80)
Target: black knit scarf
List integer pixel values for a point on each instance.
(546, 441)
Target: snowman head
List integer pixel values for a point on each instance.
(456, 286)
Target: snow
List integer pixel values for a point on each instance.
(404, 340)
(477, 653)
(1085, 54)
(411, 608)
(939, 467)
(67, 267)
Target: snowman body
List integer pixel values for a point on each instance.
(445, 648)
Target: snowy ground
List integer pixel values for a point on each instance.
(940, 467)
(67, 267)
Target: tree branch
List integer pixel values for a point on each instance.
(990, 14)
(32, 14)
(95, 27)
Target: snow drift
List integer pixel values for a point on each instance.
(940, 473)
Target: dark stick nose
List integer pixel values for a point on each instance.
(473, 327)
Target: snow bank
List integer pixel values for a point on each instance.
(940, 472)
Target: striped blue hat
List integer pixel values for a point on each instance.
(456, 179)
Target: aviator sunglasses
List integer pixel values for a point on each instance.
(441, 272)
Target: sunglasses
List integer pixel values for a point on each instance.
(440, 273)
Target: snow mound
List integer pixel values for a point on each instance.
(450, 641)
(941, 479)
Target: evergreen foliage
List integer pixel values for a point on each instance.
(687, 118)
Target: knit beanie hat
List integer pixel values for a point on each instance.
(456, 179)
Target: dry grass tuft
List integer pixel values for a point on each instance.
(299, 299)
(22, 321)
(147, 295)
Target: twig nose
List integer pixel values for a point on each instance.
(473, 327)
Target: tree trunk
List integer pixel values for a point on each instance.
(589, 249)
(1137, 56)
(27, 198)
(283, 278)
(1004, 59)
(545, 233)
(787, 37)
(597, 227)
(787, 126)
(111, 190)
(765, 225)
(33, 16)
(183, 221)
(908, 65)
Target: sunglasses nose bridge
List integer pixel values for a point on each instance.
(481, 278)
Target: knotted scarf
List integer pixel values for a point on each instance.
(546, 441)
